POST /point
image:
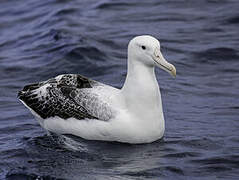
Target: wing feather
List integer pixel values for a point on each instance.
(66, 96)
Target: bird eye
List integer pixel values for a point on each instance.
(143, 47)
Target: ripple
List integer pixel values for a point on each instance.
(93, 53)
(113, 5)
(160, 172)
(219, 163)
(217, 55)
(233, 20)
(204, 144)
(22, 176)
(67, 11)
(183, 155)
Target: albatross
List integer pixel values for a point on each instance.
(76, 105)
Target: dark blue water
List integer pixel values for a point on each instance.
(42, 39)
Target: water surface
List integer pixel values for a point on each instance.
(42, 39)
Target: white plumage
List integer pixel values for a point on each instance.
(73, 104)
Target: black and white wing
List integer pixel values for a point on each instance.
(67, 96)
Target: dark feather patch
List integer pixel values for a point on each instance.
(56, 100)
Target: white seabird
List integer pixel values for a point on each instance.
(73, 104)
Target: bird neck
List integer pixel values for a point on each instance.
(141, 90)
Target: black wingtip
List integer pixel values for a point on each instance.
(20, 94)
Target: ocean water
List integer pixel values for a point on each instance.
(42, 39)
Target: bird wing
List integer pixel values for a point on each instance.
(67, 96)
